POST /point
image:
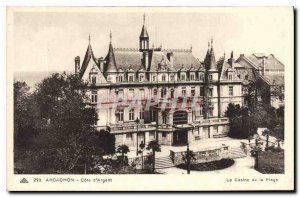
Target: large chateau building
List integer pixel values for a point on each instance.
(153, 93)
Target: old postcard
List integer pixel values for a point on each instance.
(150, 98)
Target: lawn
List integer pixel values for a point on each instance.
(271, 162)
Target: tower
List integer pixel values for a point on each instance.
(144, 37)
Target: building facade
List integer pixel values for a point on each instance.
(267, 72)
(160, 94)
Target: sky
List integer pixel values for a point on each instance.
(48, 39)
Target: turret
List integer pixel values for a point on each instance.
(144, 38)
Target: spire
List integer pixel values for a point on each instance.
(89, 38)
(110, 58)
(212, 57)
(110, 36)
(144, 33)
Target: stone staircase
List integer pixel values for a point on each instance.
(163, 162)
(236, 152)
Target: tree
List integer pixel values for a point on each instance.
(23, 119)
(61, 121)
(154, 147)
(123, 149)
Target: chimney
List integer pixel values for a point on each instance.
(77, 64)
(264, 66)
(101, 63)
(146, 59)
(170, 57)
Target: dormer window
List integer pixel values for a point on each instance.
(201, 77)
(141, 77)
(246, 77)
(120, 78)
(130, 78)
(94, 80)
(192, 76)
(183, 77)
(230, 76)
(172, 77)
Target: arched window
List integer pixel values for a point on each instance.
(155, 92)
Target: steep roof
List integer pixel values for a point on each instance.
(273, 79)
(128, 58)
(270, 61)
(144, 33)
(88, 56)
(110, 65)
(185, 59)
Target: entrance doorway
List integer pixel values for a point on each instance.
(180, 138)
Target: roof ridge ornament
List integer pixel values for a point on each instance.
(144, 18)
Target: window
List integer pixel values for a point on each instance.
(230, 76)
(164, 118)
(155, 92)
(172, 93)
(94, 97)
(183, 91)
(94, 79)
(152, 134)
(120, 78)
(163, 78)
(230, 91)
(142, 114)
(131, 114)
(183, 77)
(164, 134)
(210, 77)
(210, 92)
(192, 77)
(201, 91)
(121, 115)
(239, 76)
(120, 93)
(210, 113)
(201, 77)
(192, 91)
(142, 93)
(154, 78)
(130, 93)
(131, 78)
(152, 115)
(163, 92)
(246, 77)
(201, 110)
(172, 77)
(128, 136)
(141, 77)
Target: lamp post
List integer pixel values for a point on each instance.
(137, 136)
(188, 159)
(249, 113)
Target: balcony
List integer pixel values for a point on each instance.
(130, 127)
